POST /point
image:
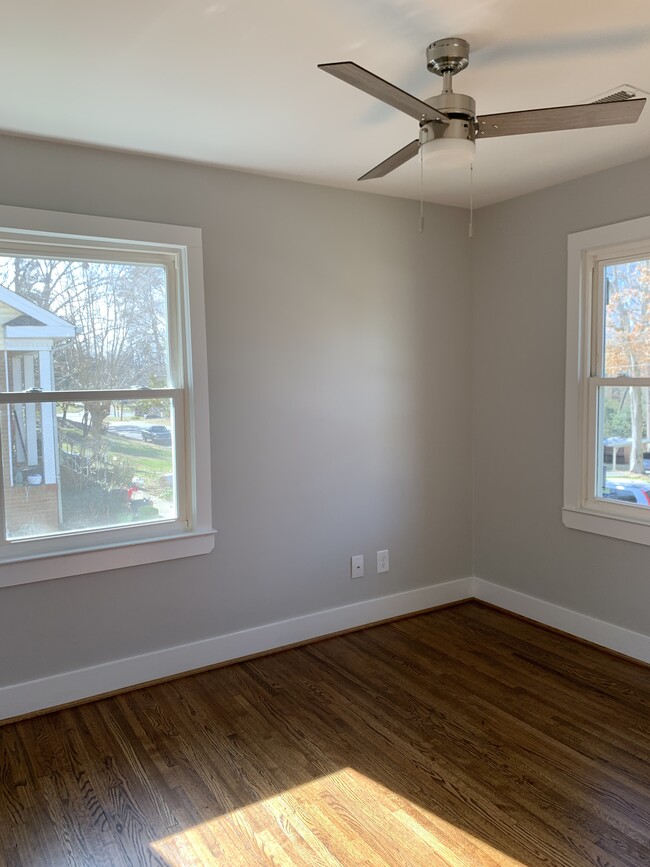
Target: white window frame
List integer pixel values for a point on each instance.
(582, 509)
(68, 554)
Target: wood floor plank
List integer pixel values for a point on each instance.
(461, 737)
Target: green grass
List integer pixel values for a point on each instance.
(146, 457)
(147, 460)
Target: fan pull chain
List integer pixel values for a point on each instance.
(421, 193)
(471, 201)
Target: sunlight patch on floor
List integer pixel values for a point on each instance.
(341, 819)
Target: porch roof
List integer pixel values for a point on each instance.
(21, 318)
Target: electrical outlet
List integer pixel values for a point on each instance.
(383, 564)
(356, 566)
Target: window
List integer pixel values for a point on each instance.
(607, 436)
(103, 395)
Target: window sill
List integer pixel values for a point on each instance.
(606, 525)
(43, 567)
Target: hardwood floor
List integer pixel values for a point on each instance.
(460, 737)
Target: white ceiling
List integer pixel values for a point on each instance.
(234, 83)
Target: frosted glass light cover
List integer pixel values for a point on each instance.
(449, 152)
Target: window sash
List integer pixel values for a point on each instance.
(104, 535)
(598, 306)
(593, 448)
(618, 381)
(78, 396)
(92, 250)
(108, 251)
(594, 318)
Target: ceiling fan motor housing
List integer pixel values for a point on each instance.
(453, 104)
(461, 111)
(448, 55)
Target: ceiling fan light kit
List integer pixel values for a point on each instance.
(449, 125)
(449, 153)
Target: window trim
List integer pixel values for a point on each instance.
(580, 510)
(155, 544)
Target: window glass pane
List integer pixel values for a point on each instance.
(627, 318)
(78, 325)
(70, 467)
(623, 446)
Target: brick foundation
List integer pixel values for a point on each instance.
(31, 509)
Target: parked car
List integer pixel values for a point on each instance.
(627, 492)
(157, 433)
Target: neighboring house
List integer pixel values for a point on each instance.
(28, 335)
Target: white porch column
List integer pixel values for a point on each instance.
(30, 411)
(18, 408)
(48, 420)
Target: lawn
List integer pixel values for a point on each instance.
(147, 459)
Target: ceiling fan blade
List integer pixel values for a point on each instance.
(397, 159)
(359, 77)
(560, 117)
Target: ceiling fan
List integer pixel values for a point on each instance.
(449, 125)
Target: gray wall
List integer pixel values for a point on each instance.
(519, 282)
(339, 370)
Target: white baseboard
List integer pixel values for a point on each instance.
(72, 686)
(607, 635)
